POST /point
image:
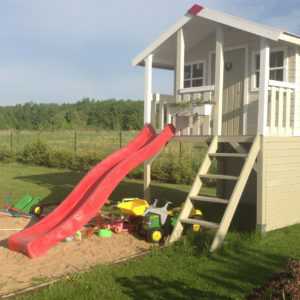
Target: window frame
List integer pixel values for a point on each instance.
(254, 88)
(203, 62)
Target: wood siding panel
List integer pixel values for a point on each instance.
(281, 181)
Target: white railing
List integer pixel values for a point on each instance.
(196, 103)
(204, 93)
(200, 100)
(281, 105)
(190, 111)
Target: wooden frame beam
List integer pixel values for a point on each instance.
(219, 81)
(263, 86)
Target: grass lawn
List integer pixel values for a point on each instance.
(54, 184)
(183, 271)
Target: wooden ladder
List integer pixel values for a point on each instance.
(231, 204)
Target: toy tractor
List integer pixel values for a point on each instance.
(157, 223)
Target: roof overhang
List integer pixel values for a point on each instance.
(213, 17)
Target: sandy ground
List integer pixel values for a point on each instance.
(19, 272)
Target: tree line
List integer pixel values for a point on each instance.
(109, 114)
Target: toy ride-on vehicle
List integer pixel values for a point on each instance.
(157, 223)
(135, 207)
(25, 206)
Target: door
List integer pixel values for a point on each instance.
(234, 73)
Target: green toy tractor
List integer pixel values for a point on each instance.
(157, 223)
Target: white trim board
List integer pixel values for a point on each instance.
(162, 38)
(241, 24)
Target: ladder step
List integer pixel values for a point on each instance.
(218, 176)
(209, 199)
(231, 155)
(203, 223)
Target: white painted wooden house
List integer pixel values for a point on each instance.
(236, 87)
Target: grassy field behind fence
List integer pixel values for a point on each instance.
(84, 141)
(69, 140)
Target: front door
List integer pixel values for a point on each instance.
(234, 73)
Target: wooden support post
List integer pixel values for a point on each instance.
(148, 89)
(179, 64)
(263, 86)
(147, 120)
(219, 81)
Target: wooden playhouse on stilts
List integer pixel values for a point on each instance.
(240, 82)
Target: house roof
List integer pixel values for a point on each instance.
(215, 17)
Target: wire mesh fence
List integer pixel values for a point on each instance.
(78, 141)
(86, 141)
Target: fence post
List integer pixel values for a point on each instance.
(120, 138)
(11, 141)
(180, 149)
(75, 142)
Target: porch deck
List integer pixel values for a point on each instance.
(209, 138)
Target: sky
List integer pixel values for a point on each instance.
(65, 50)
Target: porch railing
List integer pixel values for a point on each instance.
(203, 93)
(281, 105)
(195, 103)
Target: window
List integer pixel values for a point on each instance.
(277, 67)
(194, 75)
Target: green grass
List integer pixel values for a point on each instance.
(54, 184)
(183, 271)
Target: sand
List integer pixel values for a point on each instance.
(19, 271)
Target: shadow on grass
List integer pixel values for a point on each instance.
(241, 265)
(231, 273)
(152, 288)
(61, 184)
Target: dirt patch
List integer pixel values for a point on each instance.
(284, 285)
(19, 272)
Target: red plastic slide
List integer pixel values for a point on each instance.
(92, 178)
(73, 217)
